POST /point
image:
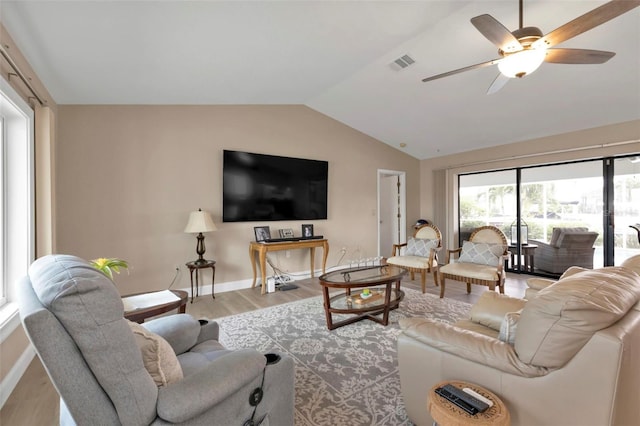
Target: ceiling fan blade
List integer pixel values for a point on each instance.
(496, 33)
(589, 20)
(458, 71)
(498, 83)
(578, 56)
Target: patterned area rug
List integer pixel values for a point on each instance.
(348, 376)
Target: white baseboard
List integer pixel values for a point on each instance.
(13, 377)
(205, 288)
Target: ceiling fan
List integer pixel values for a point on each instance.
(523, 50)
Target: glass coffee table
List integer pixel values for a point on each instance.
(368, 292)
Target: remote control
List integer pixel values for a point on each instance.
(474, 402)
(457, 401)
(477, 395)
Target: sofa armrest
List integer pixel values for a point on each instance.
(539, 283)
(396, 249)
(539, 242)
(491, 308)
(181, 331)
(451, 252)
(197, 393)
(208, 331)
(469, 345)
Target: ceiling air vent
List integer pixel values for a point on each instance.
(402, 62)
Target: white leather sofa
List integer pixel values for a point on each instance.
(575, 357)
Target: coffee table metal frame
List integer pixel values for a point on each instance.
(341, 279)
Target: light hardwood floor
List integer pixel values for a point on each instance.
(34, 401)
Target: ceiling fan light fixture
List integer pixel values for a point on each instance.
(522, 63)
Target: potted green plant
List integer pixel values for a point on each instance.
(109, 265)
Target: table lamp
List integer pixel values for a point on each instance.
(200, 222)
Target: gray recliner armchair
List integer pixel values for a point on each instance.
(568, 247)
(73, 315)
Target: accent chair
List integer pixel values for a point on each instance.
(421, 253)
(567, 247)
(480, 260)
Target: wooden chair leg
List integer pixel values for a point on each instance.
(441, 287)
(411, 275)
(468, 288)
(423, 276)
(435, 278)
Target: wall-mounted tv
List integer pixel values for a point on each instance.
(259, 187)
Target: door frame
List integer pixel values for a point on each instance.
(400, 236)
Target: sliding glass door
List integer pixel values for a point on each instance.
(626, 207)
(564, 214)
(488, 199)
(566, 197)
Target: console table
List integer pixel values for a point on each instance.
(261, 249)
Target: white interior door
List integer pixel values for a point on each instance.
(391, 210)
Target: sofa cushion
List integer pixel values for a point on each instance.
(420, 247)
(481, 253)
(509, 326)
(157, 355)
(89, 306)
(475, 270)
(416, 262)
(557, 323)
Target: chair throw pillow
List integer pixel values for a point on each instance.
(481, 253)
(420, 247)
(509, 326)
(157, 355)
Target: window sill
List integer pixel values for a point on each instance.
(9, 320)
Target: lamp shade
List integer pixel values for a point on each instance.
(522, 63)
(199, 221)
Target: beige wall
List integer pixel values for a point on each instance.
(11, 350)
(128, 176)
(439, 176)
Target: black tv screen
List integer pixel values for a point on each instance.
(258, 187)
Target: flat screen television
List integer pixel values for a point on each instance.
(259, 187)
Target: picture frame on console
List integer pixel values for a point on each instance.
(262, 233)
(286, 233)
(307, 230)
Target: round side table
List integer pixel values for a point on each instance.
(446, 413)
(196, 266)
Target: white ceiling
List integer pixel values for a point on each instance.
(333, 57)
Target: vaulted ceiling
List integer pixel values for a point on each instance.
(334, 57)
